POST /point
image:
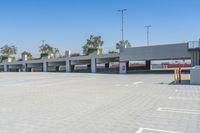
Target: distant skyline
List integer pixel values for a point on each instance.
(67, 24)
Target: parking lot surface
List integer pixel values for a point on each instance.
(97, 103)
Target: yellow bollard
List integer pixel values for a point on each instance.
(176, 75)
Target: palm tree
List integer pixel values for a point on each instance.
(92, 44)
(7, 51)
(123, 44)
(46, 50)
(56, 52)
(29, 55)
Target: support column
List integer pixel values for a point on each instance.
(45, 63)
(5, 68)
(45, 66)
(68, 65)
(93, 65)
(123, 67)
(24, 67)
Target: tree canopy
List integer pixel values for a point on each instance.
(29, 55)
(48, 49)
(93, 42)
(122, 44)
(8, 50)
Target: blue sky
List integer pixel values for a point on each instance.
(66, 24)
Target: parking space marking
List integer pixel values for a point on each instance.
(117, 85)
(121, 85)
(139, 82)
(141, 130)
(184, 91)
(174, 110)
(184, 98)
(128, 85)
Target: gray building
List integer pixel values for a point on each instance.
(190, 50)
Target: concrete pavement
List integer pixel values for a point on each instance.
(96, 103)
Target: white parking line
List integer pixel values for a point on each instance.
(136, 83)
(181, 90)
(121, 85)
(185, 111)
(140, 130)
(184, 90)
(184, 98)
(117, 85)
(128, 85)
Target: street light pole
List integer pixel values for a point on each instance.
(148, 27)
(122, 15)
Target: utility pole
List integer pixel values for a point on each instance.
(148, 27)
(122, 15)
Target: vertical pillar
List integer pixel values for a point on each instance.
(123, 67)
(5, 68)
(93, 65)
(68, 65)
(45, 63)
(45, 66)
(24, 67)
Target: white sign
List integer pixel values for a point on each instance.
(123, 68)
